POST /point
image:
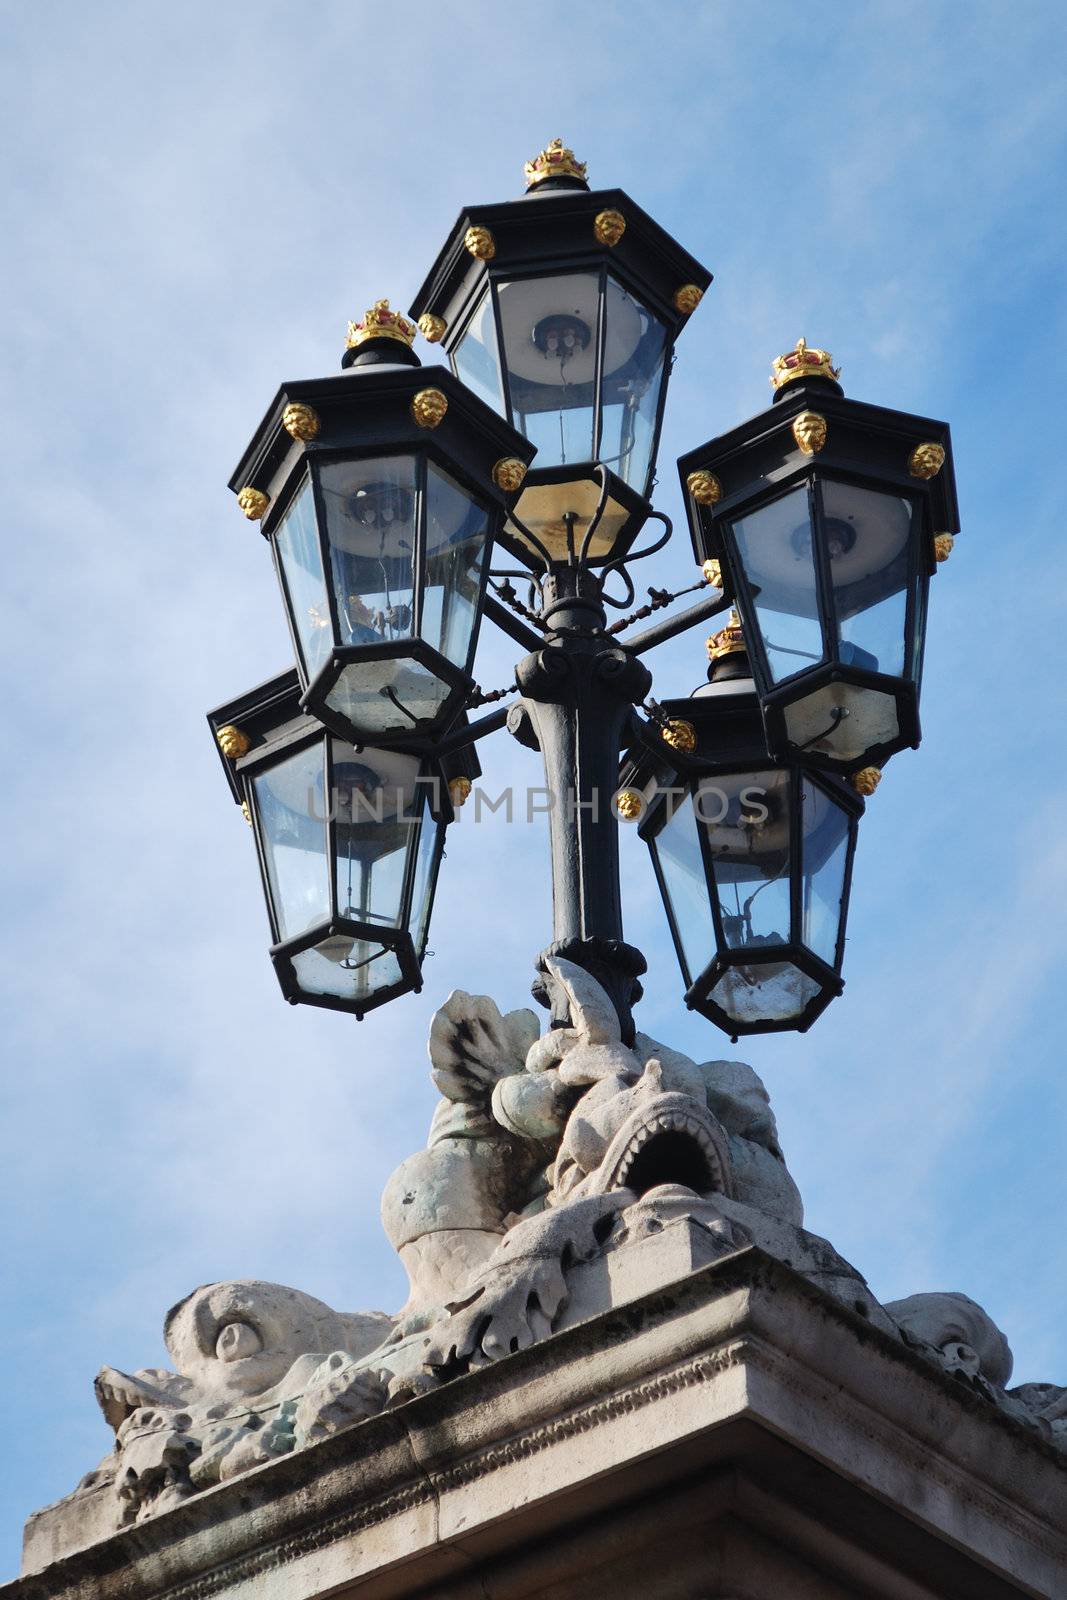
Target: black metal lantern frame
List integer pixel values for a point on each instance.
(830, 448)
(553, 237)
(416, 422)
(261, 733)
(729, 750)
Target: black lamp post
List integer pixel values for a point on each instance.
(380, 491)
(830, 516)
(753, 857)
(349, 840)
(561, 310)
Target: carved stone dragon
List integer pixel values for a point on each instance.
(547, 1154)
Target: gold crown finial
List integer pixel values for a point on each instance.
(555, 161)
(381, 323)
(800, 362)
(729, 640)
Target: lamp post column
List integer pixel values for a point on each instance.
(579, 691)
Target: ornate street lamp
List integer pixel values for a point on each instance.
(829, 516)
(349, 839)
(380, 492)
(561, 311)
(753, 857)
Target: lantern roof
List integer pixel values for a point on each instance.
(567, 228)
(382, 405)
(873, 441)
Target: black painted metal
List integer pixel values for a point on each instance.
(579, 690)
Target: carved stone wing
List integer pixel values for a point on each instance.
(473, 1046)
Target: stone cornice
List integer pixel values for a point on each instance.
(755, 1350)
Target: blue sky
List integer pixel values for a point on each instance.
(197, 200)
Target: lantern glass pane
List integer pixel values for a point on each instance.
(370, 509)
(549, 331)
(676, 849)
(635, 344)
(376, 805)
(346, 968)
(867, 535)
(296, 540)
(431, 841)
(290, 804)
(825, 855)
(475, 357)
(775, 991)
(456, 529)
(746, 821)
(775, 548)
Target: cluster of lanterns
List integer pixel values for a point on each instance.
(382, 493)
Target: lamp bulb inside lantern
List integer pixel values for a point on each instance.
(380, 506)
(560, 337)
(839, 537)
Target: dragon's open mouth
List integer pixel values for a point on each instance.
(672, 1141)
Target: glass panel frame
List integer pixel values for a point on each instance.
(413, 815)
(546, 456)
(756, 637)
(311, 756)
(302, 482)
(658, 377)
(811, 872)
(322, 462)
(821, 481)
(485, 302)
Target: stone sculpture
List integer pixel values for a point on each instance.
(548, 1155)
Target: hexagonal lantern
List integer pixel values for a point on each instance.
(349, 840)
(561, 310)
(380, 492)
(753, 857)
(830, 516)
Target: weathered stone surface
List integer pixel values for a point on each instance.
(735, 1433)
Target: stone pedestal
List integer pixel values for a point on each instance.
(730, 1435)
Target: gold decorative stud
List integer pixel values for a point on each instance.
(629, 804)
(926, 460)
(609, 227)
(728, 641)
(428, 407)
(253, 502)
(943, 546)
(381, 323)
(680, 735)
(459, 791)
(712, 571)
(246, 813)
(432, 328)
(866, 781)
(687, 298)
(301, 421)
(233, 742)
(555, 161)
(480, 243)
(508, 474)
(800, 362)
(810, 431)
(705, 488)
